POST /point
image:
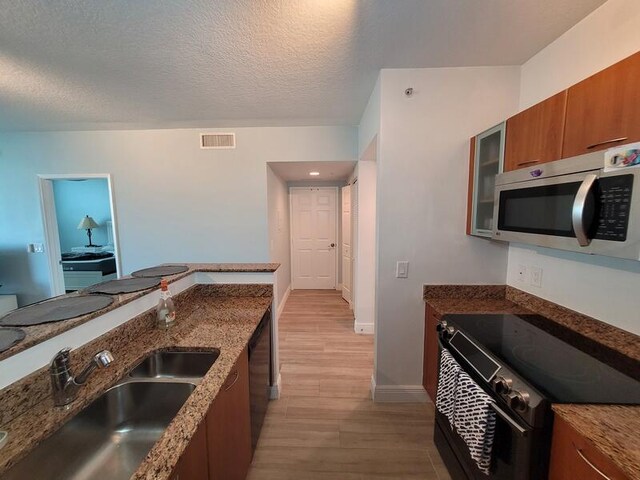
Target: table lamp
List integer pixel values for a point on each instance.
(87, 223)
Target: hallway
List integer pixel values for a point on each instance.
(325, 425)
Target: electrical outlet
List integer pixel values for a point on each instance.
(402, 269)
(521, 273)
(536, 277)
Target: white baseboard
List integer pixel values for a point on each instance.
(283, 302)
(398, 393)
(274, 390)
(363, 328)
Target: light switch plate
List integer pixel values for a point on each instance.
(402, 269)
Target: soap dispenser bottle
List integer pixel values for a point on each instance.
(166, 310)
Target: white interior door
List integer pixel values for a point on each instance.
(313, 237)
(346, 244)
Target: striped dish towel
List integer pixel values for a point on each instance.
(447, 383)
(474, 420)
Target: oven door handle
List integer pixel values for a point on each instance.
(505, 416)
(577, 212)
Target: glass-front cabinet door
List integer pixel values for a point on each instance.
(488, 161)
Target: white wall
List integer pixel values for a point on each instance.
(174, 201)
(370, 121)
(279, 236)
(602, 287)
(593, 44)
(421, 199)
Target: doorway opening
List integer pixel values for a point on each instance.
(314, 238)
(80, 230)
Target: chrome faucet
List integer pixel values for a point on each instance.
(64, 385)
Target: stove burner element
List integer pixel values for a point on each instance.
(549, 362)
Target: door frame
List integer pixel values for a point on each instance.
(50, 225)
(337, 227)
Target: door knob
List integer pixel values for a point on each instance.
(332, 245)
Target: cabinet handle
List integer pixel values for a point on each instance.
(613, 140)
(530, 162)
(586, 460)
(235, 379)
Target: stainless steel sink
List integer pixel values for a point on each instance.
(108, 439)
(175, 365)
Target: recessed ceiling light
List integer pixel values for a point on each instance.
(314, 174)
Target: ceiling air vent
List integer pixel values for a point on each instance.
(217, 140)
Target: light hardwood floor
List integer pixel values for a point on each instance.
(325, 425)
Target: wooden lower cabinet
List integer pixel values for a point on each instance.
(575, 457)
(430, 360)
(193, 464)
(229, 426)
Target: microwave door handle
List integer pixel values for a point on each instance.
(577, 213)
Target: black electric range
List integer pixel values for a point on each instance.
(524, 369)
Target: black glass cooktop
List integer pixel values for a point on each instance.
(557, 369)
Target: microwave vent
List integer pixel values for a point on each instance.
(217, 140)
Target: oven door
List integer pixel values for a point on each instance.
(519, 452)
(589, 212)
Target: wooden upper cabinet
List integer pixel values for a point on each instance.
(604, 110)
(472, 154)
(535, 134)
(573, 456)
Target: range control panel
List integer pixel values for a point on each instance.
(615, 204)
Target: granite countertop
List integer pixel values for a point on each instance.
(613, 429)
(38, 333)
(450, 299)
(208, 318)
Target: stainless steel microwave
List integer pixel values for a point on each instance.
(571, 204)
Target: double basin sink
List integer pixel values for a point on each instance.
(110, 437)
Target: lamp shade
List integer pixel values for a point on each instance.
(87, 222)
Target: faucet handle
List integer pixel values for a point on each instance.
(61, 359)
(103, 358)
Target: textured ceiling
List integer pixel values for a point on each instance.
(148, 63)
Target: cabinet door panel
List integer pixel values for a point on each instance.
(488, 161)
(573, 456)
(193, 464)
(472, 156)
(535, 135)
(229, 426)
(604, 110)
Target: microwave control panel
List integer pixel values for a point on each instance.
(615, 204)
